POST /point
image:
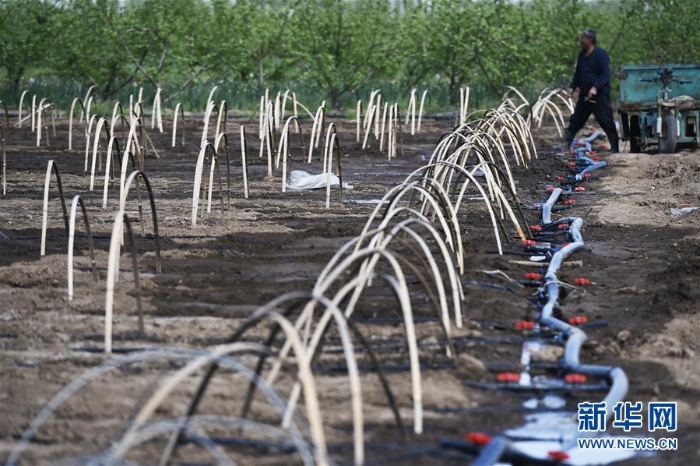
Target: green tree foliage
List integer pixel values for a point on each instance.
(341, 45)
(25, 34)
(336, 48)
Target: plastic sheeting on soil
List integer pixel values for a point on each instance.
(301, 180)
(546, 432)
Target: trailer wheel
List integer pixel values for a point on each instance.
(669, 129)
(635, 135)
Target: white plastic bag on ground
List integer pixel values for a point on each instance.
(301, 180)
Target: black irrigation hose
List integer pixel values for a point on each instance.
(250, 322)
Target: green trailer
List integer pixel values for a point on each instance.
(650, 114)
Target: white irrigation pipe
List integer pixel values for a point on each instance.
(71, 241)
(152, 354)
(113, 121)
(276, 110)
(244, 161)
(88, 105)
(484, 196)
(108, 165)
(199, 169)
(390, 141)
(326, 164)
(95, 147)
(38, 122)
(240, 425)
(210, 107)
(33, 112)
(222, 114)
(382, 131)
(303, 363)
(399, 283)
(407, 314)
(167, 385)
(77, 200)
(358, 112)
(86, 109)
(283, 149)
(411, 112)
(391, 210)
(122, 201)
(131, 138)
(332, 311)
(157, 429)
(521, 130)
(498, 144)
(140, 97)
(261, 122)
(316, 129)
(420, 111)
(269, 138)
(394, 195)
(455, 284)
(178, 107)
(520, 95)
(494, 189)
(541, 107)
(377, 109)
(380, 240)
(4, 161)
(112, 271)
(88, 135)
(497, 133)
(285, 97)
(21, 101)
(329, 169)
(397, 128)
(463, 104)
(369, 118)
(45, 217)
(515, 137)
(371, 112)
(214, 164)
(131, 109)
(156, 116)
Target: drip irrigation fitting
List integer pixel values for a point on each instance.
(614, 380)
(589, 169)
(578, 144)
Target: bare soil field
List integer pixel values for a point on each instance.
(643, 307)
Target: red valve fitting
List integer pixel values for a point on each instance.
(508, 377)
(478, 438)
(575, 378)
(558, 455)
(578, 320)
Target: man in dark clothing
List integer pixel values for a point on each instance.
(592, 81)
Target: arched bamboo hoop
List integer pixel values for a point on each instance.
(78, 201)
(52, 167)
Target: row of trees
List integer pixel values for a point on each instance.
(336, 48)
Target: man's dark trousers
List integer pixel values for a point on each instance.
(602, 110)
